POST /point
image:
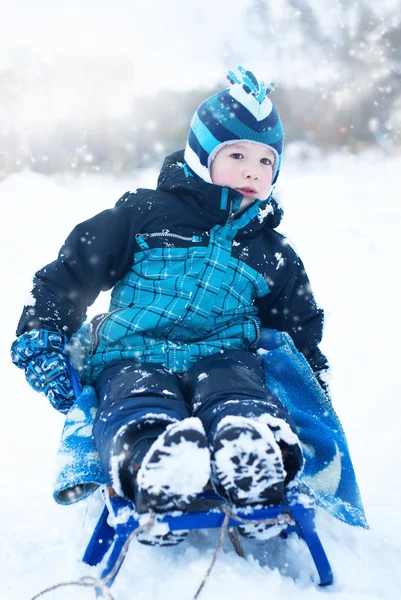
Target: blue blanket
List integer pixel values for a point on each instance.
(328, 472)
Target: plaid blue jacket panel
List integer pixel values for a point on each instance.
(178, 304)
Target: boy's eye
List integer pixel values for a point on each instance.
(237, 155)
(266, 161)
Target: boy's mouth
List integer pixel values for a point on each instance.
(247, 191)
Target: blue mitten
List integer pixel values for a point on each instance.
(41, 353)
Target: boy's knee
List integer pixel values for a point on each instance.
(130, 379)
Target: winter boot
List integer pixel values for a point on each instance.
(260, 532)
(161, 469)
(293, 462)
(247, 465)
(175, 469)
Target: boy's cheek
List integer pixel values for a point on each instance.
(229, 175)
(223, 177)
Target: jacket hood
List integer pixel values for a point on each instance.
(176, 177)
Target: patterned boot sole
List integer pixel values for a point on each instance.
(247, 465)
(260, 532)
(175, 469)
(171, 538)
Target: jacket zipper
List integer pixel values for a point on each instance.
(194, 238)
(257, 329)
(97, 321)
(241, 210)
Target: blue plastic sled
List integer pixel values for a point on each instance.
(106, 537)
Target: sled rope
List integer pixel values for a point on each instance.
(101, 584)
(234, 539)
(283, 519)
(86, 581)
(223, 530)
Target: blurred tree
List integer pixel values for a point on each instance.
(339, 66)
(163, 122)
(352, 56)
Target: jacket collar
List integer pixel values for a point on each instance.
(214, 202)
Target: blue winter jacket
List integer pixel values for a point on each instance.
(192, 274)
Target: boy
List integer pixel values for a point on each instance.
(196, 268)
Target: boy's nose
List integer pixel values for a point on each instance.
(251, 175)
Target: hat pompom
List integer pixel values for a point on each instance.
(249, 83)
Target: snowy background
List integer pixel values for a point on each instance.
(68, 69)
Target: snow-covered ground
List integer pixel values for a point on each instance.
(343, 215)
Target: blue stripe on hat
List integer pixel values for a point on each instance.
(280, 159)
(219, 132)
(204, 135)
(272, 130)
(227, 105)
(233, 128)
(244, 112)
(278, 146)
(194, 143)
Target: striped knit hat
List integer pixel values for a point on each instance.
(240, 112)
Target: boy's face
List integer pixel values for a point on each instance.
(246, 167)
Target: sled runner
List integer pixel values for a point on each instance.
(118, 521)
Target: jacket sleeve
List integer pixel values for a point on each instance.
(293, 309)
(96, 254)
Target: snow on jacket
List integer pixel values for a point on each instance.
(192, 274)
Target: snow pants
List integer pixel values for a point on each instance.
(138, 401)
